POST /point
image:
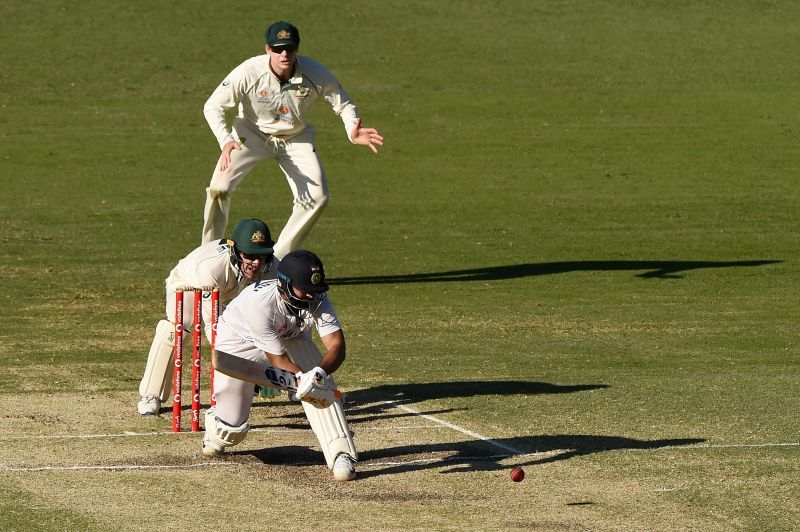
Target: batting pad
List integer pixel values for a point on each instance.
(155, 381)
(329, 424)
(330, 427)
(219, 434)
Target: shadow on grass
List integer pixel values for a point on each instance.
(381, 401)
(659, 269)
(480, 455)
(416, 392)
(378, 399)
(469, 456)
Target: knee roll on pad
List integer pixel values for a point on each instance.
(220, 435)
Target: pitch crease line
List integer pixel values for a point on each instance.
(455, 427)
(130, 434)
(723, 446)
(368, 465)
(109, 467)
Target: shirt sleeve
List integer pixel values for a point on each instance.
(325, 319)
(349, 116)
(340, 102)
(212, 270)
(224, 98)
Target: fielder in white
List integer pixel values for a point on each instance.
(273, 93)
(229, 265)
(271, 321)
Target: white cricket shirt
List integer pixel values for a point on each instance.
(259, 318)
(210, 265)
(276, 108)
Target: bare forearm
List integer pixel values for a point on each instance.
(335, 351)
(282, 362)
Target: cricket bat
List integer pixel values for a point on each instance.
(259, 373)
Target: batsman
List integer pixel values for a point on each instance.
(270, 322)
(226, 264)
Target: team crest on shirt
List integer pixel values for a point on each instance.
(263, 96)
(302, 92)
(285, 115)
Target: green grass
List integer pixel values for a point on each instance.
(593, 203)
(20, 510)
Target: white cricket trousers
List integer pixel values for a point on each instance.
(297, 158)
(235, 398)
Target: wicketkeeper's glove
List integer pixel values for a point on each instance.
(266, 392)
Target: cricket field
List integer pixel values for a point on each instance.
(578, 253)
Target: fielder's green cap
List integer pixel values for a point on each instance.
(282, 34)
(252, 236)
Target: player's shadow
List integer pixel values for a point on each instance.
(380, 402)
(466, 456)
(481, 455)
(659, 269)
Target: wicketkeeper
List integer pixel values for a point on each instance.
(228, 265)
(270, 322)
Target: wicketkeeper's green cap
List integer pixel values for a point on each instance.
(282, 34)
(252, 236)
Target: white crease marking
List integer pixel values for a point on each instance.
(455, 427)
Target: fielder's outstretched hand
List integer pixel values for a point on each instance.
(366, 136)
(225, 158)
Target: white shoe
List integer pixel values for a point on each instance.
(149, 405)
(344, 468)
(211, 449)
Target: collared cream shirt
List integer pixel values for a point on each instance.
(277, 109)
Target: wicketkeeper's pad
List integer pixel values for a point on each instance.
(155, 380)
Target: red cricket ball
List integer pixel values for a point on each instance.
(517, 474)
